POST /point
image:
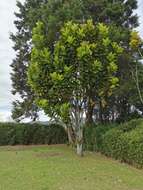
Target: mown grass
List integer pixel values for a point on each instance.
(58, 168)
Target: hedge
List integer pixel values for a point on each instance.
(26, 134)
(126, 147)
(123, 142)
(93, 136)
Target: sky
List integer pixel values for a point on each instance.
(140, 14)
(7, 8)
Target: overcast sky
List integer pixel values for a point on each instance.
(7, 8)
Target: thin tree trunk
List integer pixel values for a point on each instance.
(71, 138)
(89, 113)
(100, 113)
(79, 149)
(136, 79)
(79, 141)
(137, 84)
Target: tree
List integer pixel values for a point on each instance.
(136, 47)
(127, 99)
(28, 15)
(81, 69)
(53, 14)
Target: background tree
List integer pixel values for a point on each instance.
(53, 14)
(136, 45)
(28, 15)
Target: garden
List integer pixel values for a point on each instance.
(79, 63)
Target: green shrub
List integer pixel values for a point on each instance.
(25, 134)
(93, 136)
(130, 125)
(90, 139)
(123, 142)
(134, 147)
(111, 143)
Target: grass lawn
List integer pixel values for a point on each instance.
(58, 168)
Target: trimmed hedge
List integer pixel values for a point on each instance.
(93, 136)
(131, 125)
(124, 146)
(123, 142)
(26, 134)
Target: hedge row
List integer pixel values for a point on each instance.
(93, 136)
(25, 134)
(123, 142)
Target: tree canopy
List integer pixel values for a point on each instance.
(53, 14)
(80, 70)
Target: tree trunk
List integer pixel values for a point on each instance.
(100, 113)
(89, 116)
(79, 141)
(79, 149)
(89, 113)
(71, 137)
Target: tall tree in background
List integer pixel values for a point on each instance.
(136, 45)
(28, 15)
(53, 14)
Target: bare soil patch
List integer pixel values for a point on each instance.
(25, 147)
(49, 154)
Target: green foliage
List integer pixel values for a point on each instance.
(133, 144)
(127, 146)
(131, 125)
(111, 145)
(135, 40)
(26, 17)
(90, 139)
(93, 136)
(25, 134)
(81, 65)
(125, 143)
(53, 15)
(81, 69)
